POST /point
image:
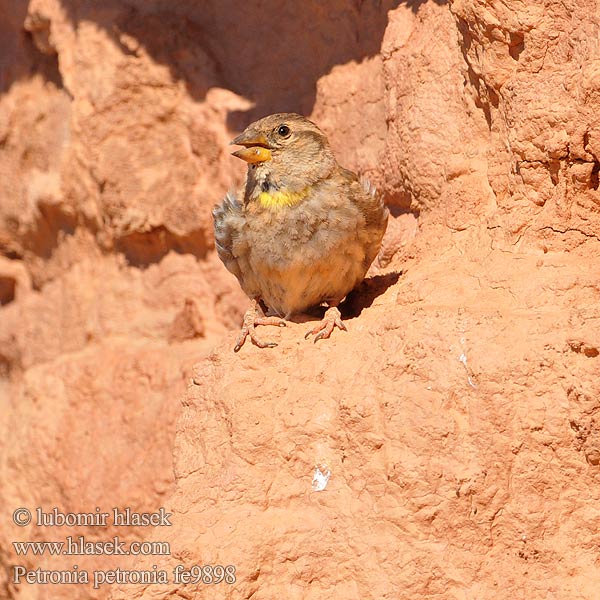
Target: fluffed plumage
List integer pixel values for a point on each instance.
(306, 230)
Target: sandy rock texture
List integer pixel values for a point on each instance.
(457, 418)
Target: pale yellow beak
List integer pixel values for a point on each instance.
(256, 147)
(253, 154)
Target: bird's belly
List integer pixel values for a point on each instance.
(297, 285)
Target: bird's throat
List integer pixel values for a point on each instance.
(281, 198)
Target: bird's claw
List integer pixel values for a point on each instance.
(270, 321)
(323, 330)
(255, 340)
(251, 320)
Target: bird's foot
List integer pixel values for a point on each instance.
(252, 318)
(331, 319)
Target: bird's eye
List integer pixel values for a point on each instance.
(283, 131)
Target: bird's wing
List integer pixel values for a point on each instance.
(371, 203)
(228, 221)
(373, 210)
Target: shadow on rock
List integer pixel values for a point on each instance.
(271, 52)
(365, 294)
(358, 299)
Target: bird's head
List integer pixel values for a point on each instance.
(285, 152)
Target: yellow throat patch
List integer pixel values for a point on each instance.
(281, 198)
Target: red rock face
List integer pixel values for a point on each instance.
(458, 415)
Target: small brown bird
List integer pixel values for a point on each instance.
(306, 230)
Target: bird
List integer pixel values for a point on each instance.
(301, 232)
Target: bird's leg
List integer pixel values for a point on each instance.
(332, 318)
(253, 317)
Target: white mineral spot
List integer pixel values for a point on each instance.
(320, 479)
